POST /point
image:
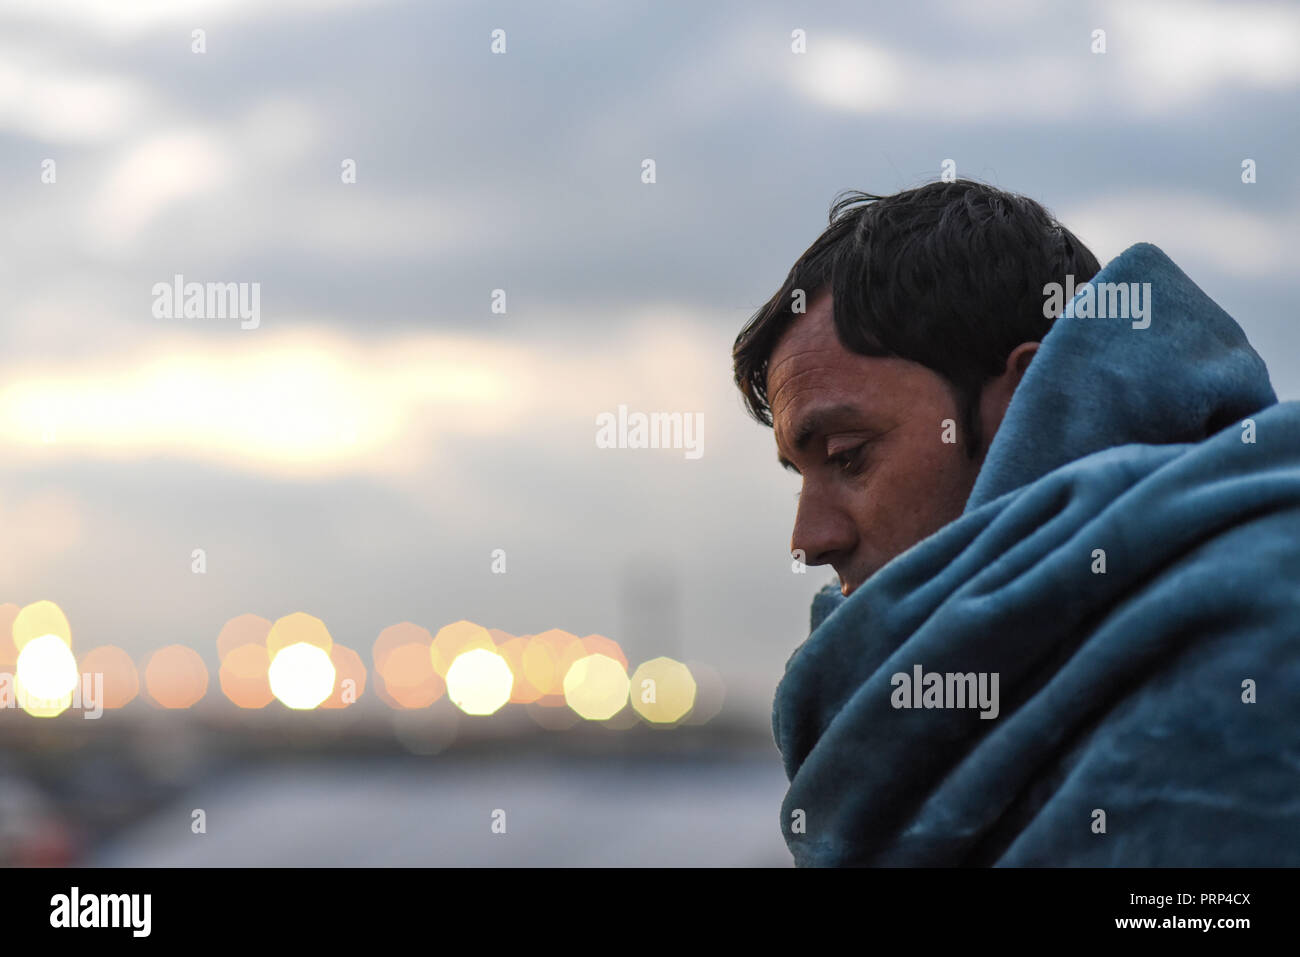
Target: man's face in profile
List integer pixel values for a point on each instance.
(866, 436)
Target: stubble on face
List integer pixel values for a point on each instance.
(866, 435)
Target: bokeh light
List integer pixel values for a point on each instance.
(8, 653)
(404, 667)
(121, 680)
(479, 681)
(662, 690)
(175, 677)
(600, 645)
(349, 678)
(46, 676)
(456, 638)
(710, 693)
(540, 667)
(242, 630)
(46, 668)
(245, 676)
(546, 659)
(295, 629)
(37, 620)
(596, 687)
(301, 675)
(524, 691)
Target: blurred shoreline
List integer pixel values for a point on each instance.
(118, 790)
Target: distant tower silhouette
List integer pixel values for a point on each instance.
(650, 610)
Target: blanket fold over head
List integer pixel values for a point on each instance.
(1099, 661)
(1102, 381)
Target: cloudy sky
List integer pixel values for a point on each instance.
(361, 452)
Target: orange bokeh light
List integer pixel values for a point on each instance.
(394, 636)
(546, 659)
(524, 691)
(404, 667)
(600, 645)
(175, 677)
(299, 627)
(242, 630)
(409, 678)
(348, 666)
(121, 680)
(245, 678)
(8, 651)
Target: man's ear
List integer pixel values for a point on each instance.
(999, 390)
(1020, 358)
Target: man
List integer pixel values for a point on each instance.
(1067, 537)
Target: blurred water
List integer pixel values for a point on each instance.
(699, 811)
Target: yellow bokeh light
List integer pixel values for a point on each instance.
(596, 687)
(43, 708)
(46, 668)
(539, 665)
(455, 639)
(295, 629)
(662, 690)
(546, 660)
(512, 651)
(479, 681)
(46, 676)
(302, 675)
(39, 619)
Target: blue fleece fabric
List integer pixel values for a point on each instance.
(1120, 691)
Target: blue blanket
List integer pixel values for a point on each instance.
(1098, 663)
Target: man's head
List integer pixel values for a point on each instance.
(920, 307)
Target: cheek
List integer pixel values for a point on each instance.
(942, 484)
(912, 493)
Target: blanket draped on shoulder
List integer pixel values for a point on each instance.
(1124, 584)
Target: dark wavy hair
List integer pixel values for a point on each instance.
(948, 275)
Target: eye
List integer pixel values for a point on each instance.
(849, 461)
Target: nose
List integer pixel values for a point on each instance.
(821, 530)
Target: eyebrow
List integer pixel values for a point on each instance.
(815, 422)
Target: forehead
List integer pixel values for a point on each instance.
(816, 386)
(811, 366)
